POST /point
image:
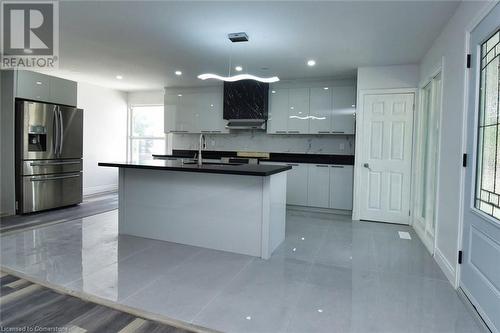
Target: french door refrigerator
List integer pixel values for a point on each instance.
(48, 162)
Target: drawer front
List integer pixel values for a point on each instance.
(51, 191)
(40, 167)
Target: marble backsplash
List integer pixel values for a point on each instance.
(260, 141)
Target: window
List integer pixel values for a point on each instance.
(146, 135)
(488, 161)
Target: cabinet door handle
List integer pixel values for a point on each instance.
(294, 132)
(336, 166)
(321, 166)
(338, 132)
(281, 132)
(216, 131)
(323, 132)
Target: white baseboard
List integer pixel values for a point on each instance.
(319, 210)
(428, 243)
(99, 189)
(447, 268)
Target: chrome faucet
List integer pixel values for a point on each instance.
(200, 148)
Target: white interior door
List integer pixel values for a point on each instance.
(387, 152)
(480, 270)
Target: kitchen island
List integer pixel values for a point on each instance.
(228, 207)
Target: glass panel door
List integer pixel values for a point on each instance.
(426, 161)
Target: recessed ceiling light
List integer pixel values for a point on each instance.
(28, 51)
(248, 318)
(39, 83)
(273, 92)
(294, 249)
(180, 95)
(178, 73)
(320, 310)
(311, 62)
(326, 88)
(238, 68)
(119, 77)
(302, 238)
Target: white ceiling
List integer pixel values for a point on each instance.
(147, 41)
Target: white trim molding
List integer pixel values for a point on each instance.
(447, 268)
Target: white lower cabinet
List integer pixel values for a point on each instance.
(296, 193)
(318, 185)
(341, 184)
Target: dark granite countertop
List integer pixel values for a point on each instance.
(273, 157)
(230, 169)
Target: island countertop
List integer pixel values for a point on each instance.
(230, 169)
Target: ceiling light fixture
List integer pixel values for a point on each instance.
(311, 63)
(237, 38)
(119, 77)
(178, 73)
(238, 78)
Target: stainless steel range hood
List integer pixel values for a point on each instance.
(246, 124)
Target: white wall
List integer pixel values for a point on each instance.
(260, 141)
(387, 77)
(450, 48)
(104, 135)
(151, 97)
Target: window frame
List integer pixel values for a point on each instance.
(131, 138)
(479, 144)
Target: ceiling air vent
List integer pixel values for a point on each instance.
(237, 37)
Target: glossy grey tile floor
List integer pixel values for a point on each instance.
(330, 275)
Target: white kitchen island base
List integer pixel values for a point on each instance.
(236, 213)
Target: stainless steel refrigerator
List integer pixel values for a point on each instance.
(49, 141)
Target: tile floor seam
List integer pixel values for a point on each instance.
(106, 266)
(299, 296)
(161, 276)
(221, 290)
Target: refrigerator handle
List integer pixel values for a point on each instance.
(55, 135)
(61, 131)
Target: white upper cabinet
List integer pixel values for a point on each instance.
(298, 111)
(170, 106)
(62, 91)
(211, 113)
(318, 109)
(321, 110)
(344, 107)
(34, 86)
(194, 111)
(278, 111)
(45, 88)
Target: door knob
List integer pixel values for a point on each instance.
(366, 165)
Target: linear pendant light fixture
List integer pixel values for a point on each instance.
(237, 37)
(238, 78)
